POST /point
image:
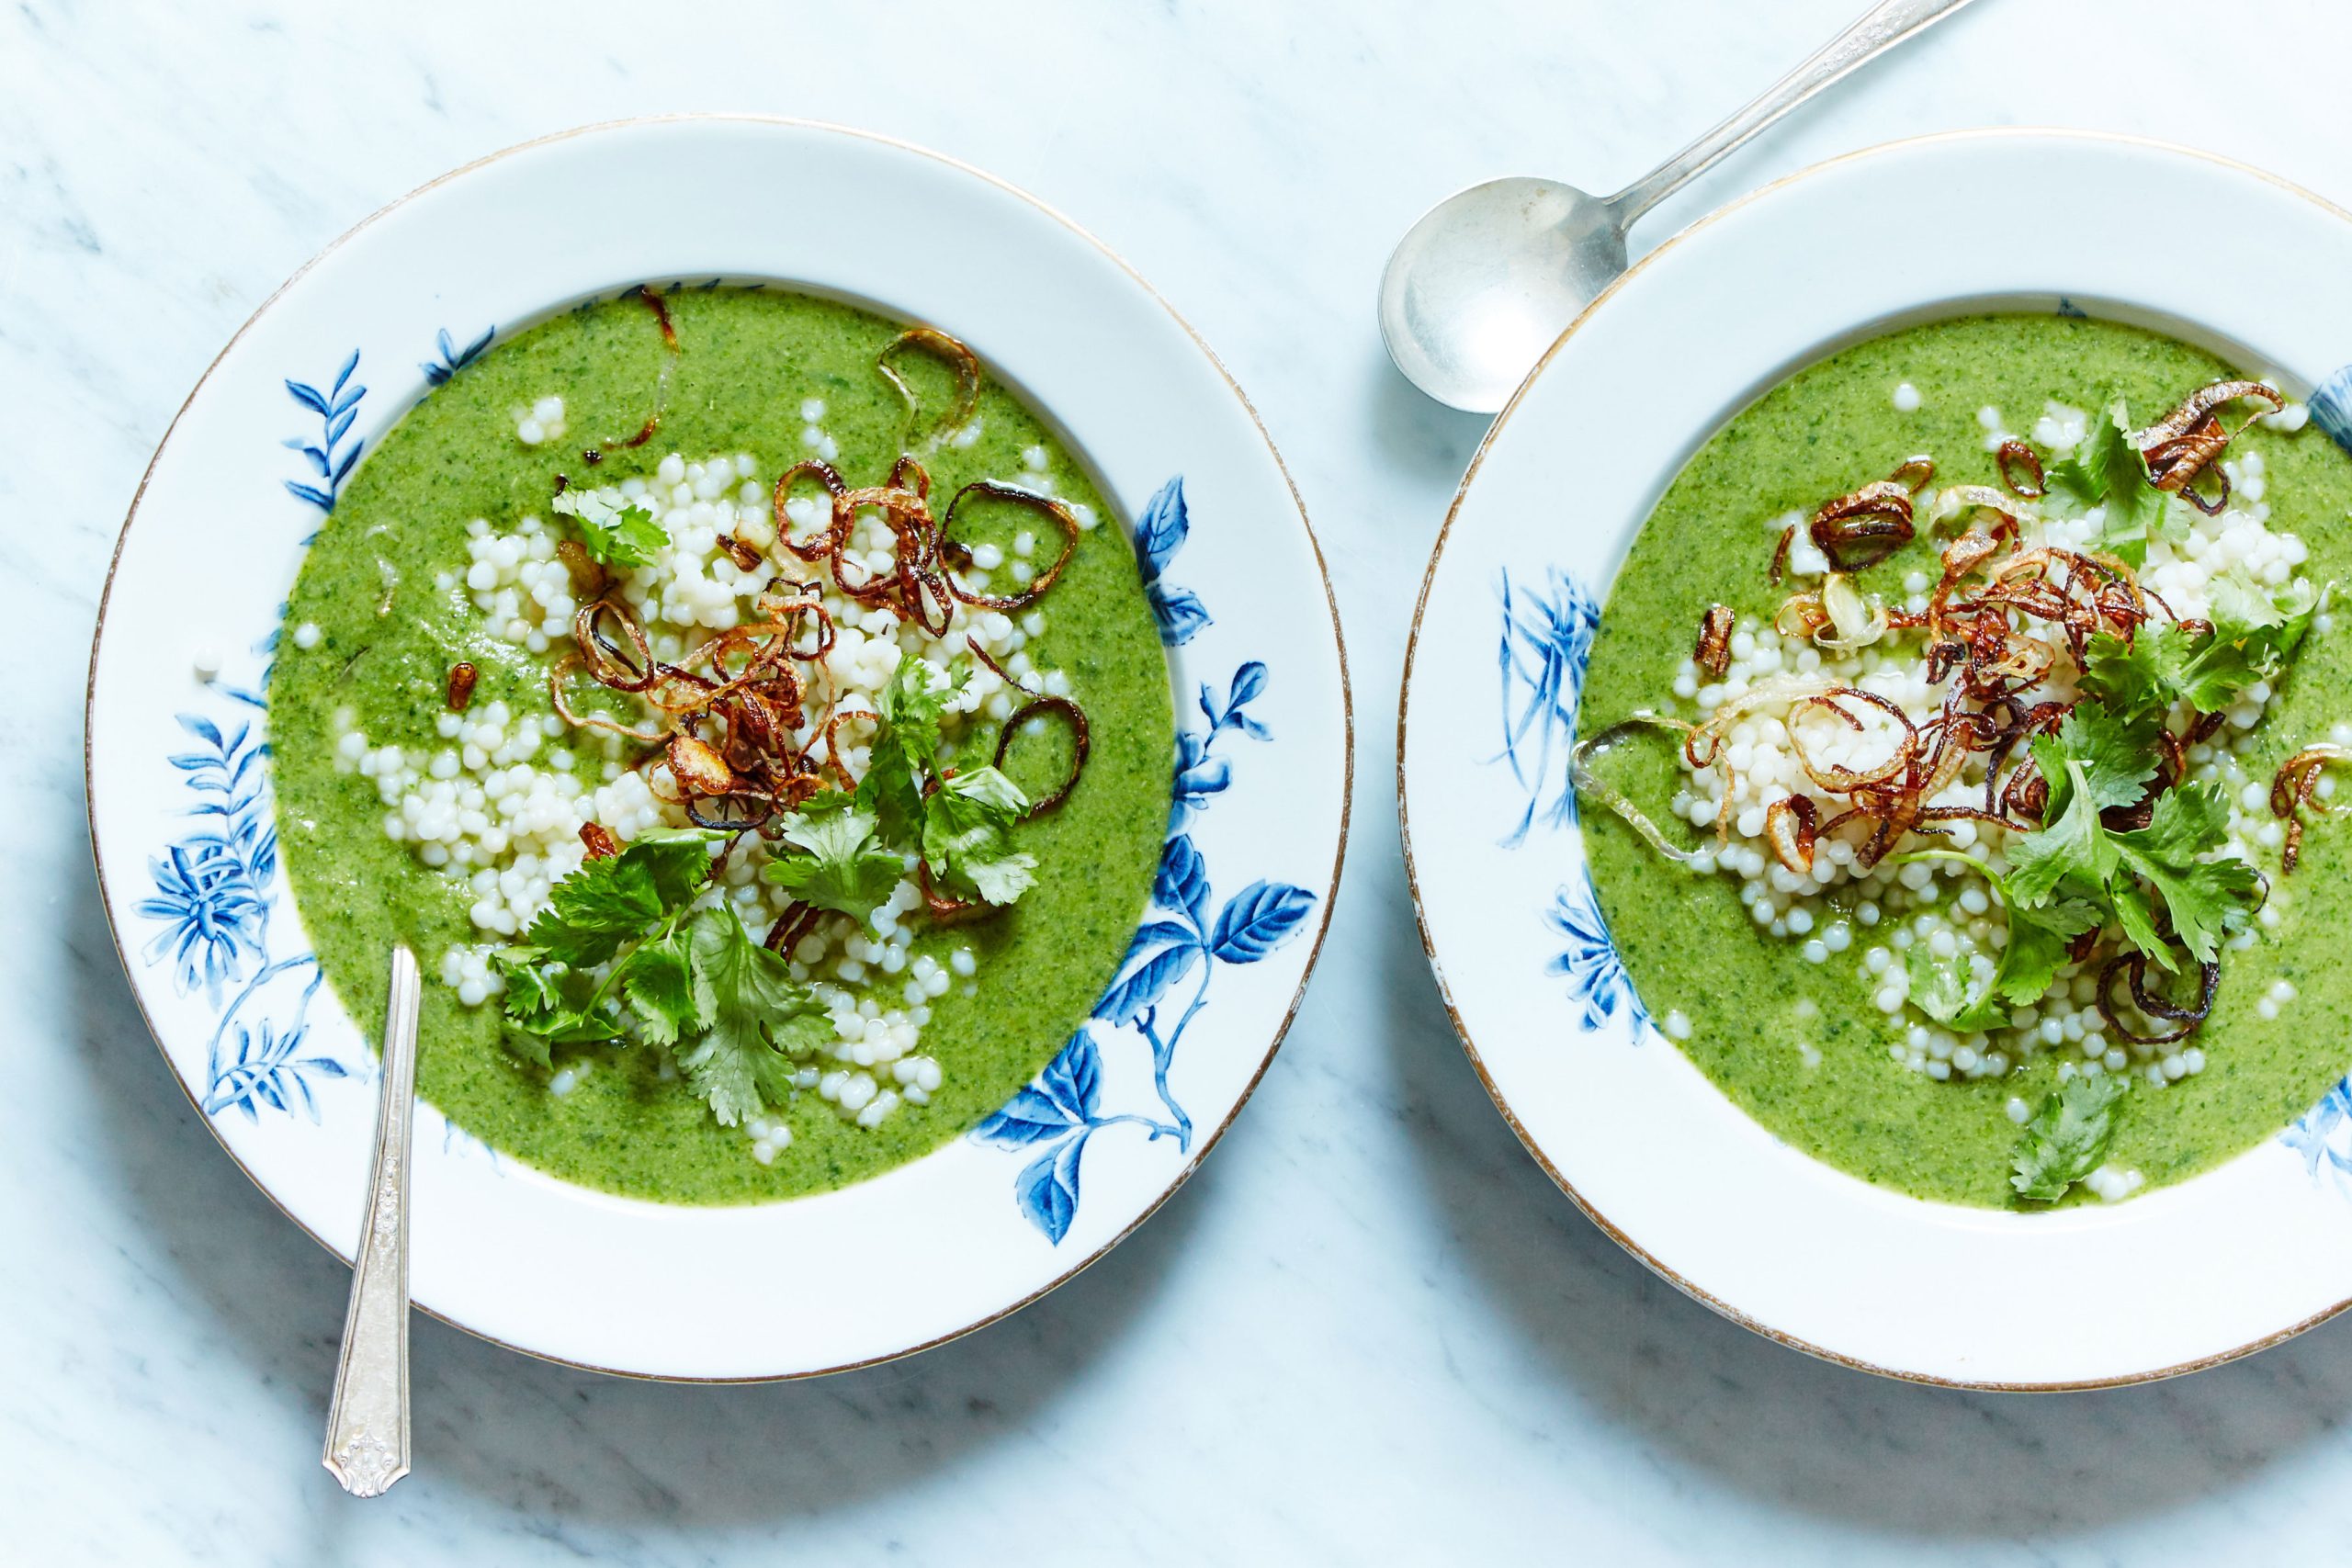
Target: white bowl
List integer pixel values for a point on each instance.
(2180, 1278)
(178, 789)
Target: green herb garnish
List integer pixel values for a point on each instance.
(2256, 631)
(630, 538)
(2096, 761)
(689, 979)
(2106, 469)
(827, 855)
(2039, 939)
(2067, 1138)
(960, 822)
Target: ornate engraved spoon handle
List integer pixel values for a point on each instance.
(368, 1427)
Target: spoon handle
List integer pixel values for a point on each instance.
(367, 1445)
(1883, 27)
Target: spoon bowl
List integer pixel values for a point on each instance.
(1486, 281)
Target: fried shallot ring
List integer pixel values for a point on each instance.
(564, 666)
(1581, 774)
(1913, 473)
(1079, 739)
(2151, 1005)
(2020, 468)
(823, 543)
(608, 664)
(2295, 787)
(1838, 778)
(1857, 530)
(2194, 408)
(957, 555)
(958, 357)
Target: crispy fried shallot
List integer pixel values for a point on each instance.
(1080, 742)
(2185, 1020)
(1712, 653)
(1590, 784)
(1791, 824)
(2020, 468)
(956, 356)
(958, 557)
(2296, 788)
(1914, 474)
(1857, 530)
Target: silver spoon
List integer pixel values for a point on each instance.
(368, 1427)
(1489, 277)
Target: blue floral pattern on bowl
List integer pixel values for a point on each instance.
(335, 451)
(1546, 640)
(1059, 1112)
(213, 888)
(2323, 1135)
(1595, 975)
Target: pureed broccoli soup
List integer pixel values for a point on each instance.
(1967, 698)
(750, 711)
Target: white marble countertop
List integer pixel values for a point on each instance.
(1371, 1330)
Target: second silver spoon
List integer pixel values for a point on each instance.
(1483, 283)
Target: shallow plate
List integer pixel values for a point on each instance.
(179, 781)
(2180, 1278)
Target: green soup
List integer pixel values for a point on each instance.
(1798, 1045)
(381, 627)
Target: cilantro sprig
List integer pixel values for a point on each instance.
(2107, 469)
(2254, 632)
(622, 536)
(2039, 939)
(2097, 760)
(2067, 1137)
(677, 972)
(828, 855)
(959, 820)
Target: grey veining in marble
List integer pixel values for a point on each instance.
(1372, 1330)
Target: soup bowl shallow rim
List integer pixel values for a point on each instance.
(180, 815)
(2183, 1276)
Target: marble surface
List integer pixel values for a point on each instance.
(1371, 1330)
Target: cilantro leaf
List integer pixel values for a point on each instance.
(618, 910)
(2240, 603)
(2039, 939)
(913, 705)
(2106, 469)
(1936, 988)
(2256, 631)
(968, 834)
(607, 902)
(624, 537)
(841, 865)
(2118, 755)
(906, 746)
(2072, 843)
(732, 1064)
(2067, 1138)
(2207, 899)
(668, 993)
(2096, 761)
